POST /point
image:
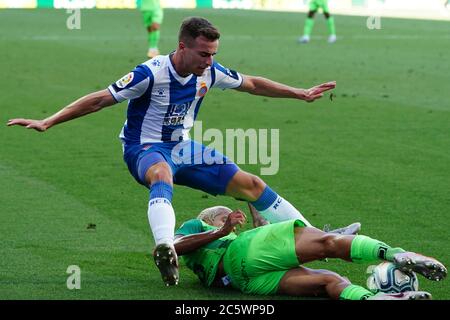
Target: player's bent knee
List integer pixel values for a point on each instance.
(334, 284)
(159, 172)
(255, 186)
(258, 183)
(328, 246)
(327, 15)
(332, 278)
(246, 186)
(311, 14)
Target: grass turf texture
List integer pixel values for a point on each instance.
(378, 153)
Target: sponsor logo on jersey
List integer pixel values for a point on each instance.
(176, 114)
(122, 83)
(203, 89)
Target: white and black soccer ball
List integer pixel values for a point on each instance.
(387, 278)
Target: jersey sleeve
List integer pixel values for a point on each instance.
(225, 78)
(132, 85)
(192, 226)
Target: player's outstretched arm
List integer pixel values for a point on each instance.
(189, 243)
(265, 87)
(90, 103)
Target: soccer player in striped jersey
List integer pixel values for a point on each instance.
(165, 94)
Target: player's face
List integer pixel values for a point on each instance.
(220, 219)
(199, 55)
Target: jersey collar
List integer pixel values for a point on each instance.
(180, 79)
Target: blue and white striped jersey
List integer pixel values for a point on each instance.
(163, 105)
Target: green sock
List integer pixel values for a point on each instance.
(365, 249)
(354, 292)
(331, 26)
(153, 39)
(309, 24)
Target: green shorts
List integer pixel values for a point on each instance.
(150, 17)
(257, 259)
(314, 5)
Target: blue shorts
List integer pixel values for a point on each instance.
(192, 164)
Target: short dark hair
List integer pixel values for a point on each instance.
(193, 27)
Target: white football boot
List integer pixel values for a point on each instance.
(429, 267)
(351, 229)
(409, 295)
(304, 39)
(332, 38)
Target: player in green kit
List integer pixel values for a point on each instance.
(152, 13)
(315, 5)
(267, 260)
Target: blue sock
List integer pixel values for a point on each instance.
(267, 197)
(161, 189)
(275, 208)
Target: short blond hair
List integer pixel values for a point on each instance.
(209, 214)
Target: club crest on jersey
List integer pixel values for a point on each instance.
(122, 83)
(203, 89)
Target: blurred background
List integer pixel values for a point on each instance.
(430, 9)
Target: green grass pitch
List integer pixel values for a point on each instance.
(379, 153)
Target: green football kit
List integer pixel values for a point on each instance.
(152, 13)
(256, 260)
(315, 5)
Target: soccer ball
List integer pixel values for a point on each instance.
(387, 278)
